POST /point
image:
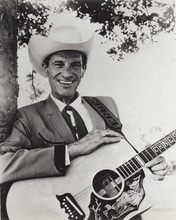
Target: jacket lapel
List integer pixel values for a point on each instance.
(57, 120)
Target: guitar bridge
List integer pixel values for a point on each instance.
(71, 207)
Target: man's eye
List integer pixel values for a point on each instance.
(59, 65)
(76, 65)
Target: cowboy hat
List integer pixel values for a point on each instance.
(62, 38)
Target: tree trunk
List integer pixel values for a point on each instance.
(8, 77)
(8, 66)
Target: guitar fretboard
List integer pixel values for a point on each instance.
(138, 161)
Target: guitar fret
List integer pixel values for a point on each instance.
(137, 164)
(173, 135)
(127, 166)
(159, 147)
(139, 160)
(172, 139)
(144, 158)
(126, 170)
(121, 172)
(153, 153)
(147, 154)
(165, 144)
(156, 148)
(131, 165)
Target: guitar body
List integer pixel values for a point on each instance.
(73, 197)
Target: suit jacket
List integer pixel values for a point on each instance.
(25, 154)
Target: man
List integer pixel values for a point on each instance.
(46, 135)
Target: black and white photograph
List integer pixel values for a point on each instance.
(87, 109)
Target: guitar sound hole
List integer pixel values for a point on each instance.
(107, 184)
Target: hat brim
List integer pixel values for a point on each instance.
(41, 47)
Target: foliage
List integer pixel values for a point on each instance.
(126, 23)
(32, 17)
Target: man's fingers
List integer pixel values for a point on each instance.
(108, 140)
(96, 138)
(111, 133)
(158, 167)
(160, 172)
(110, 136)
(158, 177)
(158, 160)
(105, 136)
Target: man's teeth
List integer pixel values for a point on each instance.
(65, 82)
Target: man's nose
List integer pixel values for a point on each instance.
(66, 72)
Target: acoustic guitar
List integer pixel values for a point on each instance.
(109, 184)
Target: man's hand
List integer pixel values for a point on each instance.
(158, 167)
(92, 141)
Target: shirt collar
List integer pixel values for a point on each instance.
(61, 105)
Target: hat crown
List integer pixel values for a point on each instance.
(66, 34)
(62, 38)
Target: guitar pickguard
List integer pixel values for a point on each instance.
(128, 201)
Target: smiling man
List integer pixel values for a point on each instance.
(64, 70)
(47, 136)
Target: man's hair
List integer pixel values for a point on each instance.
(84, 58)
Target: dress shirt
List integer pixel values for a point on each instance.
(78, 105)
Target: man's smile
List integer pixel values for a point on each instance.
(65, 83)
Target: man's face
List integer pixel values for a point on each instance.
(64, 72)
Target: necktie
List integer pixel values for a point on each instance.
(79, 128)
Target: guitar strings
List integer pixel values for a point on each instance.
(106, 176)
(80, 197)
(81, 194)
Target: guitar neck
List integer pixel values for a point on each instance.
(137, 162)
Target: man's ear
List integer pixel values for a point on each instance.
(45, 68)
(83, 72)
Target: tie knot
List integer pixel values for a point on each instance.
(68, 107)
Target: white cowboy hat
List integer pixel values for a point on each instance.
(62, 38)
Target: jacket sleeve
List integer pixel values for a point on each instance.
(19, 160)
